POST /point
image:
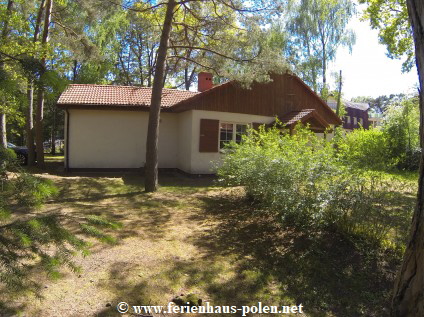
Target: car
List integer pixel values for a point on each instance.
(21, 153)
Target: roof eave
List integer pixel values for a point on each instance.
(109, 107)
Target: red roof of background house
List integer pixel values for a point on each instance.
(108, 95)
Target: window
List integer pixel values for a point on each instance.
(225, 134)
(241, 130)
(347, 119)
(355, 121)
(231, 132)
(361, 121)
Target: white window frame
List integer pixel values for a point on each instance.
(248, 125)
(348, 119)
(355, 120)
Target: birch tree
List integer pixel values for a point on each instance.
(3, 36)
(318, 28)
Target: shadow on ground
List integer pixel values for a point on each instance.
(324, 271)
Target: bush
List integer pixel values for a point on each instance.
(402, 127)
(287, 174)
(366, 149)
(302, 181)
(7, 155)
(7, 159)
(410, 161)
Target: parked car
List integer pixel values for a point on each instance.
(21, 153)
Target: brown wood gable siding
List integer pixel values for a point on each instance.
(284, 94)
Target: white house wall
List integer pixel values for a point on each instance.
(117, 139)
(185, 134)
(168, 140)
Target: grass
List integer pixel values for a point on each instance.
(58, 158)
(194, 237)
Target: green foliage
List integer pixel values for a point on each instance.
(367, 149)
(381, 103)
(286, 174)
(316, 29)
(23, 245)
(7, 156)
(402, 126)
(305, 182)
(94, 225)
(396, 144)
(390, 18)
(29, 239)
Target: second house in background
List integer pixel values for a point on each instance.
(356, 115)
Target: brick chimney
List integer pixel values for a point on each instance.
(204, 81)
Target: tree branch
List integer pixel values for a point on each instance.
(214, 52)
(197, 63)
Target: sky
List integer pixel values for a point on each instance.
(368, 71)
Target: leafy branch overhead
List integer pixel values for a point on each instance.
(390, 18)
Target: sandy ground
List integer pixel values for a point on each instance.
(160, 251)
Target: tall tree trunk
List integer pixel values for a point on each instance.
(9, 9)
(3, 138)
(339, 96)
(408, 295)
(74, 71)
(30, 125)
(4, 32)
(324, 73)
(30, 94)
(39, 115)
(53, 134)
(151, 168)
(186, 80)
(39, 128)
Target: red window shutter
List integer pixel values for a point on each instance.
(209, 131)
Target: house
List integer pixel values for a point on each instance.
(356, 114)
(375, 119)
(106, 126)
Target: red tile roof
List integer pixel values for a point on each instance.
(108, 95)
(290, 119)
(295, 116)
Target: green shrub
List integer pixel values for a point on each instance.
(402, 127)
(7, 155)
(410, 160)
(287, 174)
(365, 149)
(304, 183)
(7, 160)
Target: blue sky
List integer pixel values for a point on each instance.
(368, 71)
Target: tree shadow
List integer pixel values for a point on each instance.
(208, 278)
(6, 309)
(325, 271)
